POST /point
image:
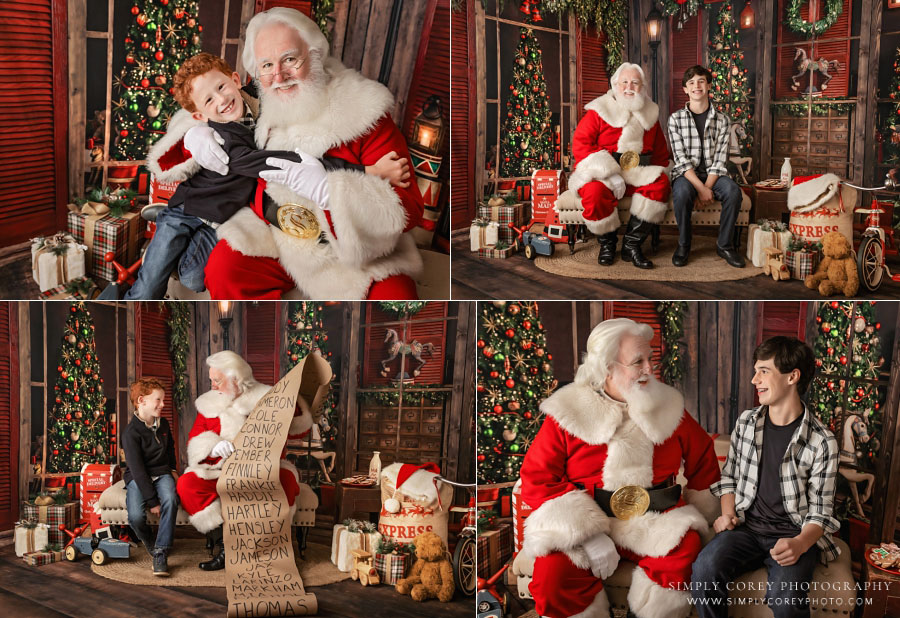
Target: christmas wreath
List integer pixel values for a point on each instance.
(401, 309)
(833, 10)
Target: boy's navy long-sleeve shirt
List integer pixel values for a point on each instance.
(148, 453)
(216, 198)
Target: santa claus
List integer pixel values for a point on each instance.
(220, 415)
(600, 475)
(621, 151)
(340, 234)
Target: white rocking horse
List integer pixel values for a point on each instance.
(855, 428)
(736, 132)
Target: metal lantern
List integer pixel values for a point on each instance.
(428, 131)
(748, 17)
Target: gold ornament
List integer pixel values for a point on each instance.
(71, 339)
(629, 501)
(152, 111)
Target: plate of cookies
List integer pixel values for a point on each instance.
(358, 480)
(773, 184)
(886, 557)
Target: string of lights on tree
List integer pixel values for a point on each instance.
(672, 364)
(848, 360)
(890, 131)
(161, 36)
(515, 373)
(729, 88)
(77, 431)
(306, 333)
(526, 142)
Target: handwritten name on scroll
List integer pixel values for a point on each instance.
(261, 574)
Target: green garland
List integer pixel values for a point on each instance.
(672, 314)
(322, 15)
(400, 310)
(179, 342)
(612, 19)
(819, 108)
(671, 7)
(833, 10)
(390, 396)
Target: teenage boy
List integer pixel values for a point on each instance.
(776, 492)
(698, 135)
(150, 476)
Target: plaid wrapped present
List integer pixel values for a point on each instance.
(82, 288)
(391, 567)
(504, 214)
(507, 235)
(495, 253)
(105, 233)
(494, 548)
(54, 515)
(801, 264)
(40, 558)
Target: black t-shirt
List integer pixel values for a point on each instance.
(700, 123)
(767, 515)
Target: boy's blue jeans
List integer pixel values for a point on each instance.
(733, 552)
(182, 240)
(137, 513)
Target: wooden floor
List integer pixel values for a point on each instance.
(71, 589)
(516, 277)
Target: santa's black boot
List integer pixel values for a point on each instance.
(218, 561)
(607, 248)
(635, 234)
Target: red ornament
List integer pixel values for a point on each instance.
(55, 452)
(830, 351)
(145, 83)
(145, 45)
(498, 409)
(834, 304)
(510, 333)
(527, 325)
(59, 368)
(818, 319)
(78, 362)
(843, 360)
(179, 13)
(480, 458)
(159, 56)
(495, 374)
(135, 10)
(527, 414)
(76, 398)
(142, 20)
(818, 362)
(877, 325)
(510, 383)
(65, 375)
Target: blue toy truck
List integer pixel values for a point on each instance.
(533, 243)
(100, 546)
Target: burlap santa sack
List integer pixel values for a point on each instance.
(410, 504)
(820, 204)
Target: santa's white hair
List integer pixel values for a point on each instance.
(603, 349)
(615, 77)
(305, 27)
(234, 367)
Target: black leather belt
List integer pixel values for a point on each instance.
(662, 497)
(645, 158)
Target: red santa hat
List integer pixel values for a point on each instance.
(810, 192)
(392, 505)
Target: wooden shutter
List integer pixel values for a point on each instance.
(152, 354)
(462, 117)
(644, 313)
(34, 122)
(262, 341)
(825, 47)
(9, 416)
(686, 49)
(781, 318)
(304, 6)
(593, 78)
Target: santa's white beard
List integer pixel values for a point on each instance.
(642, 398)
(632, 104)
(306, 101)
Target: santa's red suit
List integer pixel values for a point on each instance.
(220, 417)
(597, 184)
(370, 251)
(590, 441)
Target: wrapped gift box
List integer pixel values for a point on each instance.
(104, 233)
(54, 515)
(343, 542)
(546, 185)
(763, 235)
(483, 233)
(56, 260)
(494, 548)
(493, 252)
(40, 558)
(392, 567)
(801, 264)
(504, 215)
(82, 288)
(31, 536)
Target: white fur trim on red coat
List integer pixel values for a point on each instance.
(813, 193)
(604, 225)
(199, 448)
(563, 524)
(208, 518)
(599, 607)
(178, 126)
(646, 209)
(596, 166)
(643, 174)
(656, 534)
(610, 111)
(647, 599)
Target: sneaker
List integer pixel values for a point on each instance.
(150, 549)
(160, 565)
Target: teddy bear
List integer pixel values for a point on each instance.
(432, 575)
(837, 272)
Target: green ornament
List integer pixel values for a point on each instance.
(513, 448)
(70, 379)
(133, 107)
(156, 124)
(529, 393)
(499, 356)
(488, 432)
(151, 26)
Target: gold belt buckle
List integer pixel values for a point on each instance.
(629, 160)
(629, 501)
(298, 221)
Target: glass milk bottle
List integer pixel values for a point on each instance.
(786, 172)
(375, 468)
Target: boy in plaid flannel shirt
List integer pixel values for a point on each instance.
(208, 88)
(698, 135)
(776, 492)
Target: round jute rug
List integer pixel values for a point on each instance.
(316, 569)
(703, 265)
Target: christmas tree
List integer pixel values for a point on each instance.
(162, 35)
(526, 140)
(848, 361)
(77, 432)
(515, 374)
(891, 125)
(306, 334)
(729, 87)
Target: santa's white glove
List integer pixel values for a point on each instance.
(616, 184)
(601, 551)
(223, 449)
(205, 146)
(307, 179)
